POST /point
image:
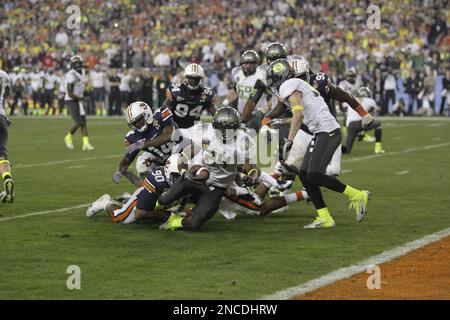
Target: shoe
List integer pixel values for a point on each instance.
(321, 223)
(368, 138)
(98, 205)
(359, 204)
(9, 193)
(285, 185)
(87, 147)
(68, 141)
(378, 148)
(286, 169)
(174, 222)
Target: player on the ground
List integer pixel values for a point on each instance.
(188, 99)
(151, 132)
(309, 107)
(249, 85)
(75, 82)
(8, 193)
(355, 124)
(220, 147)
(142, 205)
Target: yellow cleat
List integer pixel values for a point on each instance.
(68, 141)
(173, 223)
(359, 204)
(321, 223)
(378, 148)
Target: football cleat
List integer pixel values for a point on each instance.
(68, 141)
(9, 193)
(378, 148)
(359, 204)
(87, 147)
(98, 205)
(173, 223)
(321, 223)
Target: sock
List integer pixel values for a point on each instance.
(324, 213)
(295, 197)
(85, 140)
(267, 180)
(69, 136)
(240, 190)
(351, 192)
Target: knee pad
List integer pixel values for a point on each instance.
(315, 178)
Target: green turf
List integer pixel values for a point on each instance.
(242, 259)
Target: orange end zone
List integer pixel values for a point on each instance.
(421, 274)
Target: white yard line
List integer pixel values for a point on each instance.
(402, 172)
(50, 163)
(393, 153)
(39, 213)
(362, 266)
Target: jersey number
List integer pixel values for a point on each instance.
(244, 91)
(159, 177)
(182, 110)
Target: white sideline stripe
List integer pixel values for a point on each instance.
(32, 165)
(402, 172)
(393, 153)
(360, 267)
(346, 171)
(44, 212)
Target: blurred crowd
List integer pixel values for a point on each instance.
(153, 40)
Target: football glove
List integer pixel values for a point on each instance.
(286, 148)
(278, 121)
(367, 120)
(116, 176)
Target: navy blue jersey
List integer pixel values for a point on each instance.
(163, 118)
(153, 186)
(187, 104)
(156, 181)
(321, 82)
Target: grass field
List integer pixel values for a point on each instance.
(242, 259)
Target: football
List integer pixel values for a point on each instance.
(200, 172)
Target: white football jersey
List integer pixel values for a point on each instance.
(317, 116)
(37, 80)
(245, 86)
(352, 115)
(5, 82)
(221, 159)
(98, 79)
(78, 81)
(51, 81)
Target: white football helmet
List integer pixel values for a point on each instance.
(299, 57)
(139, 116)
(172, 167)
(194, 76)
(300, 68)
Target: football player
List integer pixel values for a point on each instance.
(220, 147)
(355, 124)
(75, 82)
(250, 86)
(308, 106)
(8, 194)
(150, 132)
(143, 203)
(329, 92)
(188, 99)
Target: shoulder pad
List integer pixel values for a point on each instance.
(235, 71)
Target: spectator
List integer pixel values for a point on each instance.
(445, 94)
(124, 87)
(399, 108)
(413, 85)
(114, 98)
(389, 90)
(98, 80)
